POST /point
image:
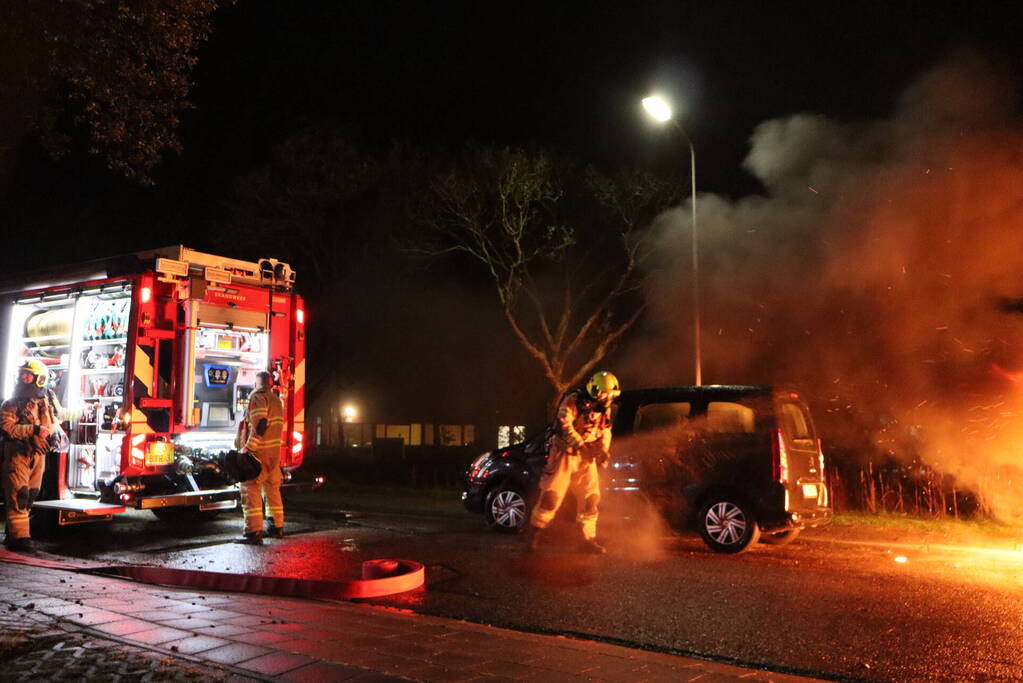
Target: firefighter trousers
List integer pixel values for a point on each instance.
(267, 486)
(569, 472)
(23, 474)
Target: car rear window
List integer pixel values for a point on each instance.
(726, 417)
(656, 416)
(795, 423)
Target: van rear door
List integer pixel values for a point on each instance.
(800, 450)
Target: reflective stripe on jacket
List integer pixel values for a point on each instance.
(265, 420)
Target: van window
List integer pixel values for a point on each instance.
(794, 422)
(655, 416)
(725, 417)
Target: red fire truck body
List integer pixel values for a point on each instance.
(152, 358)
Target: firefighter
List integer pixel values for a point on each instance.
(263, 424)
(581, 443)
(29, 423)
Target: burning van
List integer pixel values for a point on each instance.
(152, 357)
(738, 463)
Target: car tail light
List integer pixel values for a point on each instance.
(780, 469)
(477, 465)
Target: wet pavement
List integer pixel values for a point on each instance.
(106, 629)
(839, 603)
(35, 646)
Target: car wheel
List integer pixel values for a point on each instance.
(507, 510)
(727, 524)
(780, 538)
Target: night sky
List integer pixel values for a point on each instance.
(566, 77)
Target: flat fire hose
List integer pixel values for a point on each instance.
(379, 577)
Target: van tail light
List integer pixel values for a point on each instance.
(780, 469)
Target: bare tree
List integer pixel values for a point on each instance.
(561, 245)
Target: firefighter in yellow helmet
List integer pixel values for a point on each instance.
(262, 437)
(580, 445)
(29, 421)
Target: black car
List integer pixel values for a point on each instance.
(740, 463)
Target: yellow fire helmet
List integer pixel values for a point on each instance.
(37, 368)
(603, 385)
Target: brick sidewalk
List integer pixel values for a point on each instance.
(246, 637)
(34, 647)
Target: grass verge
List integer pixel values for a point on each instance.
(985, 528)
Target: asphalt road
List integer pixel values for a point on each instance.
(827, 605)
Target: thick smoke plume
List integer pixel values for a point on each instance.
(881, 272)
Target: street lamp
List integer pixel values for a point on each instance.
(349, 413)
(659, 109)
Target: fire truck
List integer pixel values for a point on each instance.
(152, 357)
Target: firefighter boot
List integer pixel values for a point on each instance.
(274, 531)
(534, 534)
(20, 545)
(590, 546)
(253, 538)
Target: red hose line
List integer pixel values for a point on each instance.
(379, 577)
(403, 575)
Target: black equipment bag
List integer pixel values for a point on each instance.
(241, 467)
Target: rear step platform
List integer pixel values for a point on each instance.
(80, 510)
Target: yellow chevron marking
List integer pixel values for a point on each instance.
(139, 423)
(143, 368)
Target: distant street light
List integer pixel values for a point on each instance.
(659, 109)
(349, 413)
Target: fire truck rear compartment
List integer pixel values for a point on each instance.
(81, 336)
(153, 366)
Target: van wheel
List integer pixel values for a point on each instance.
(727, 524)
(780, 538)
(506, 509)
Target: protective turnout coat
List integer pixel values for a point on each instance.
(264, 424)
(24, 457)
(580, 444)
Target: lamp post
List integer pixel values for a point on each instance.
(659, 109)
(348, 414)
